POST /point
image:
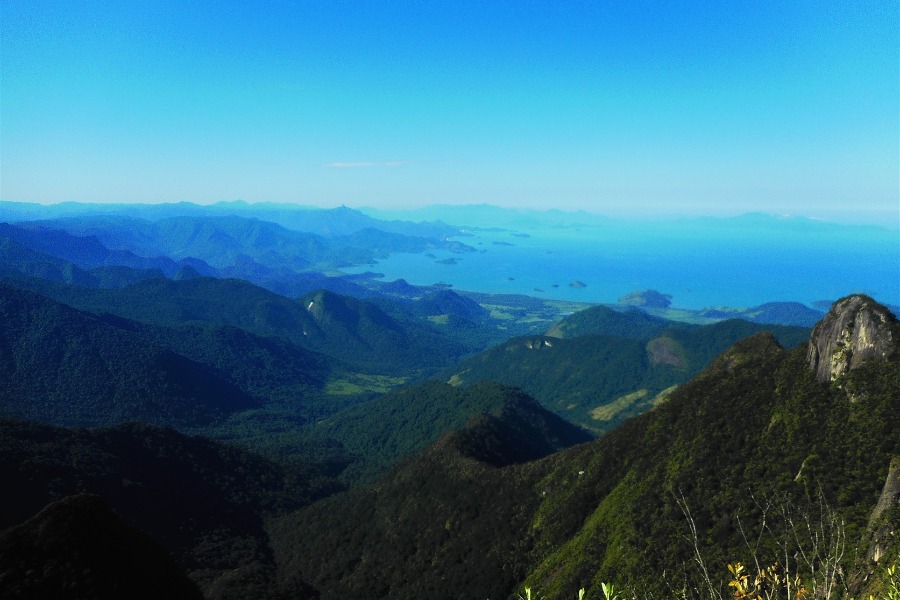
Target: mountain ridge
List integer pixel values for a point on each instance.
(755, 419)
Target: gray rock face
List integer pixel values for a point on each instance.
(856, 330)
(883, 530)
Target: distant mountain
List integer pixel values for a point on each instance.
(753, 436)
(86, 251)
(782, 313)
(64, 366)
(448, 302)
(286, 261)
(17, 260)
(222, 241)
(600, 380)
(335, 222)
(338, 221)
(646, 298)
(632, 323)
(352, 332)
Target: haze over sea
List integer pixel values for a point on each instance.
(739, 262)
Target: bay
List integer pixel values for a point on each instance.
(700, 265)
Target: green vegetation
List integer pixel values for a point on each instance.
(594, 379)
(753, 426)
(68, 367)
(350, 331)
(725, 469)
(85, 551)
(603, 320)
(356, 384)
(647, 298)
(203, 502)
(381, 432)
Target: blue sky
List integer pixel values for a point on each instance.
(622, 108)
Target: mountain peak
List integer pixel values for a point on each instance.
(857, 329)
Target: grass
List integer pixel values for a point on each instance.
(608, 411)
(611, 410)
(351, 384)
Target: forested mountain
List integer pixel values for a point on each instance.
(756, 429)
(64, 366)
(351, 331)
(204, 502)
(373, 481)
(610, 366)
(603, 320)
(87, 252)
(785, 313)
(381, 432)
(271, 369)
(17, 260)
(86, 551)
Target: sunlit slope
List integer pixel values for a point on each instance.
(600, 379)
(753, 426)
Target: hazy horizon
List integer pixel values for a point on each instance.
(427, 211)
(620, 109)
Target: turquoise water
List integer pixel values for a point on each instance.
(699, 268)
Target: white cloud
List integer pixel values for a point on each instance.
(363, 165)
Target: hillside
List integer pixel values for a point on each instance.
(448, 524)
(603, 320)
(383, 431)
(203, 502)
(87, 251)
(64, 366)
(600, 380)
(478, 491)
(272, 371)
(86, 552)
(754, 429)
(352, 332)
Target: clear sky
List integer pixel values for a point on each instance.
(613, 107)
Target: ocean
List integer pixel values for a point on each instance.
(699, 265)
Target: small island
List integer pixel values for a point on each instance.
(447, 261)
(578, 284)
(646, 299)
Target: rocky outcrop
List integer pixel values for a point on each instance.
(890, 494)
(857, 329)
(537, 344)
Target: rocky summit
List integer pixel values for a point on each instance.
(856, 329)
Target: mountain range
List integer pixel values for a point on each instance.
(179, 397)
